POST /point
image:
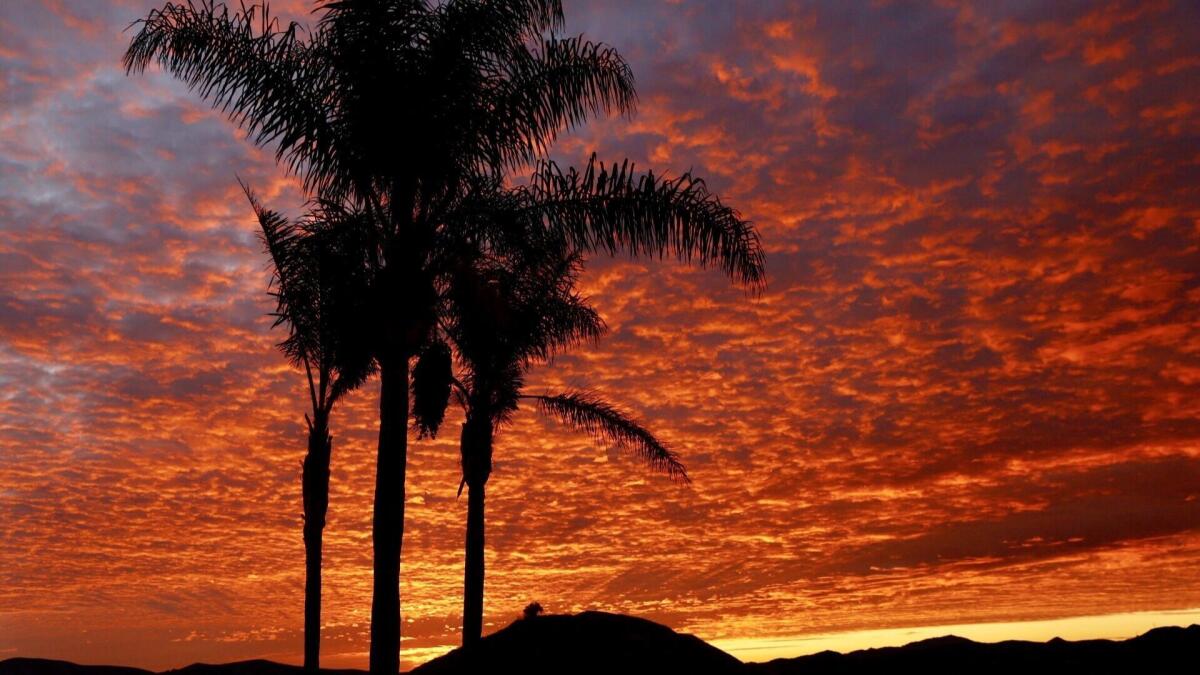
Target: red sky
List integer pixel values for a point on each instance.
(967, 395)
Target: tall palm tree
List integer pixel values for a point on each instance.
(490, 87)
(318, 285)
(506, 313)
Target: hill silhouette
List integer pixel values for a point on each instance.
(1161, 650)
(588, 642)
(27, 666)
(597, 642)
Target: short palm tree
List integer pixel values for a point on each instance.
(486, 89)
(506, 314)
(318, 284)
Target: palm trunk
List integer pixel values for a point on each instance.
(315, 483)
(477, 467)
(473, 576)
(387, 526)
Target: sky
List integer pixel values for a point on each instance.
(967, 396)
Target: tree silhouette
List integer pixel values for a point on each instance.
(488, 88)
(532, 610)
(505, 314)
(318, 285)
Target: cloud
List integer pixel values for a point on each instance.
(967, 393)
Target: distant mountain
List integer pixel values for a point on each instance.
(587, 643)
(592, 643)
(257, 667)
(1162, 650)
(23, 666)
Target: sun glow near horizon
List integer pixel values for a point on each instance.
(1101, 627)
(1121, 626)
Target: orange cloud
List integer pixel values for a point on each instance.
(967, 394)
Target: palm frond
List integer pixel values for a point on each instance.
(508, 311)
(290, 282)
(261, 75)
(565, 322)
(554, 315)
(496, 28)
(367, 14)
(612, 208)
(320, 283)
(554, 88)
(339, 244)
(588, 413)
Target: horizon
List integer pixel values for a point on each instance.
(761, 650)
(966, 397)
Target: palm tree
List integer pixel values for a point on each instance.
(506, 313)
(490, 88)
(317, 285)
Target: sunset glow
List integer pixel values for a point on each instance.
(966, 401)
(1108, 627)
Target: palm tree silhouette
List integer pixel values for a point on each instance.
(318, 284)
(506, 314)
(488, 88)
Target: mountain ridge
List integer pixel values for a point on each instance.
(600, 642)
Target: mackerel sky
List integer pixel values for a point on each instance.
(968, 393)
